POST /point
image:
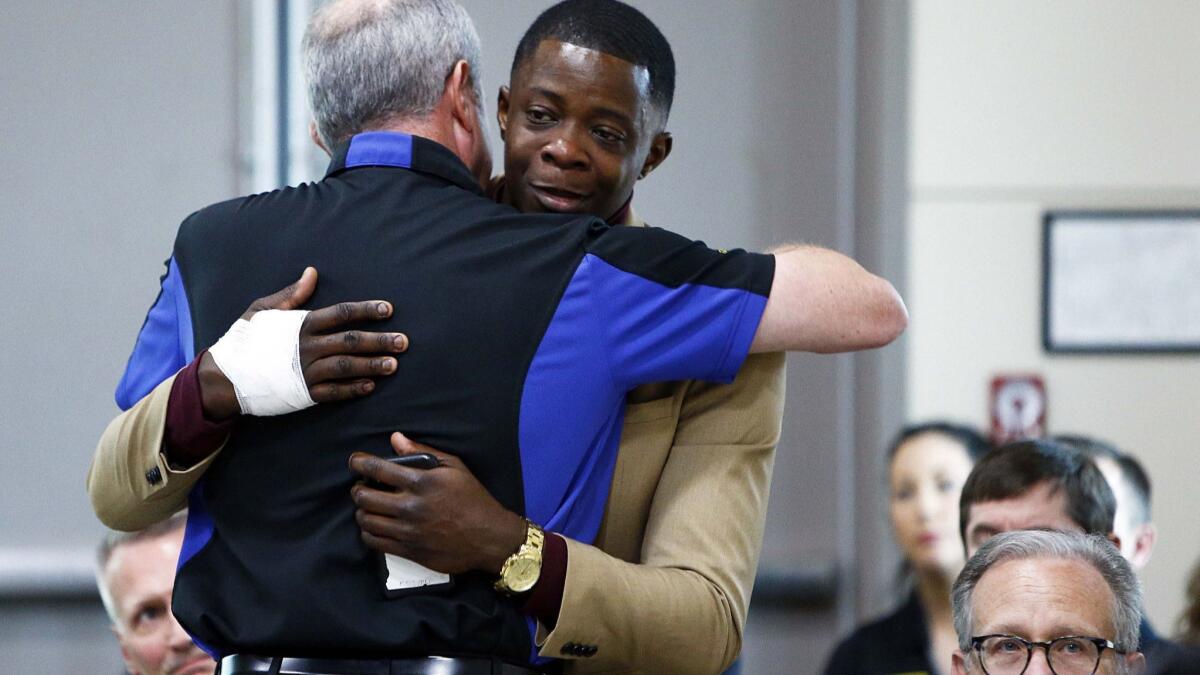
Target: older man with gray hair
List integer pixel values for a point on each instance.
(1047, 602)
(135, 574)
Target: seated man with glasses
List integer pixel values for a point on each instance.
(1039, 602)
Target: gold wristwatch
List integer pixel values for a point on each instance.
(522, 569)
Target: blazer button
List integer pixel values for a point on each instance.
(591, 650)
(154, 476)
(569, 649)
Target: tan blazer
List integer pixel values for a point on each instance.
(666, 586)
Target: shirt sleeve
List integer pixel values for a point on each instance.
(671, 308)
(164, 344)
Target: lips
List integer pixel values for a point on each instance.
(556, 198)
(927, 539)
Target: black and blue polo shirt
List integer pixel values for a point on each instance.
(526, 332)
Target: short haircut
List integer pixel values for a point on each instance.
(114, 540)
(367, 62)
(613, 28)
(975, 444)
(1139, 480)
(1131, 469)
(1014, 469)
(1042, 544)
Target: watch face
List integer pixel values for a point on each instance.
(523, 574)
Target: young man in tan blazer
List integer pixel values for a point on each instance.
(666, 584)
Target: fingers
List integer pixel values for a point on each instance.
(290, 297)
(401, 547)
(400, 509)
(328, 318)
(381, 471)
(343, 367)
(351, 342)
(329, 392)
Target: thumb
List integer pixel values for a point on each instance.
(299, 292)
(403, 445)
(290, 297)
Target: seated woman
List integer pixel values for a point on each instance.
(927, 466)
(1189, 623)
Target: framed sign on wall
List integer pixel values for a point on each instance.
(1121, 281)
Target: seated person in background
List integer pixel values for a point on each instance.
(928, 464)
(1131, 523)
(1184, 656)
(135, 573)
(1041, 485)
(1189, 623)
(1131, 488)
(1034, 485)
(1047, 602)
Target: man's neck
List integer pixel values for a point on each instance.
(421, 126)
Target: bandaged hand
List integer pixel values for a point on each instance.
(276, 359)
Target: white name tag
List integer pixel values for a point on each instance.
(403, 574)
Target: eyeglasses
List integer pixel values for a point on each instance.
(1070, 655)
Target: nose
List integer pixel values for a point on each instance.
(1039, 664)
(179, 638)
(564, 151)
(927, 504)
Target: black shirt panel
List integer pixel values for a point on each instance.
(672, 260)
(276, 507)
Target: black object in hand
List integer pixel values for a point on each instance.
(421, 460)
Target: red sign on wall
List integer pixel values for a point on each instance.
(1018, 408)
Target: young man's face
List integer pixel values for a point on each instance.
(579, 131)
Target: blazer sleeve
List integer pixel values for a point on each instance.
(683, 608)
(130, 483)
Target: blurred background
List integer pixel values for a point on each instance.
(926, 138)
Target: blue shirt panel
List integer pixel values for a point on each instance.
(164, 344)
(612, 331)
(380, 148)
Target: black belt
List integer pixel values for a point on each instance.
(240, 664)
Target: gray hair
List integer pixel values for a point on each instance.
(1024, 544)
(368, 61)
(114, 540)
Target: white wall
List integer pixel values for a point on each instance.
(117, 121)
(1022, 106)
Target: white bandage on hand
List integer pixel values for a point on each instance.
(261, 357)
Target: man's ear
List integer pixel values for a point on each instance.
(958, 665)
(316, 137)
(1116, 541)
(660, 149)
(502, 100)
(1144, 538)
(461, 90)
(1135, 663)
